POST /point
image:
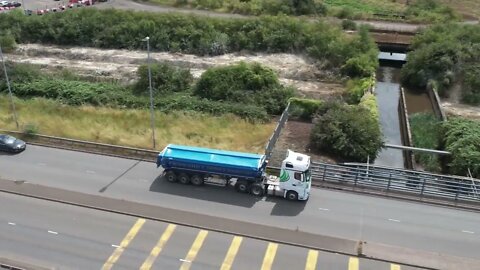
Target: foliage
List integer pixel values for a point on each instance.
(444, 55)
(304, 108)
(349, 25)
(7, 41)
(431, 11)
(369, 101)
(462, 139)
(19, 72)
(120, 29)
(426, 133)
(165, 78)
(471, 89)
(244, 83)
(351, 132)
(356, 89)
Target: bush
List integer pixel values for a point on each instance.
(350, 132)
(165, 79)
(7, 42)
(244, 83)
(356, 89)
(304, 108)
(431, 11)
(369, 101)
(348, 24)
(426, 133)
(462, 139)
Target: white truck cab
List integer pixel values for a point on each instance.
(294, 182)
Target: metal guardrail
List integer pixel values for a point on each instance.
(420, 184)
(276, 133)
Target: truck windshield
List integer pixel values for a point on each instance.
(308, 175)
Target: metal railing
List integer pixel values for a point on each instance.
(416, 183)
(276, 133)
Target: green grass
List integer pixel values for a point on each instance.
(426, 133)
(368, 6)
(132, 127)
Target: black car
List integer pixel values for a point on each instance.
(11, 144)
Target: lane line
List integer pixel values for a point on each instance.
(269, 256)
(115, 246)
(147, 264)
(311, 260)
(324, 209)
(231, 253)
(353, 263)
(52, 232)
(126, 240)
(395, 267)
(394, 220)
(470, 232)
(90, 172)
(192, 253)
(11, 223)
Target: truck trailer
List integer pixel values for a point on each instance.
(245, 171)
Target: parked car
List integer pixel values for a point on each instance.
(3, 3)
(14, 4)
(11, 144)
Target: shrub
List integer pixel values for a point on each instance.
(426, 133)
(304, 108)
(356, 89)
(348, 24)
(244, 83)
(30, 130)
(369, 101)
(350, 132)
(462, 139)
(165, 78)
(7, 41)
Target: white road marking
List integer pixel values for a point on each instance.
(324, 209)
(115, 246)
(470, 232)
(52, 232)
(90, 172)
(183, 260)
(393, 220)
(11, 223)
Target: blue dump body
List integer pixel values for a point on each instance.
(211, 161)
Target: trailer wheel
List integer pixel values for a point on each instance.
(184, 179)
(197, 180)
(241, 186)
(256, 190)
(171, 176)
(292, 196)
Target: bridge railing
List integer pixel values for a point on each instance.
(389, 179)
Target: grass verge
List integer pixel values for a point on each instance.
(426, 133)
(132, 127)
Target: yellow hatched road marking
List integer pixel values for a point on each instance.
(126, 240)
(269, 256)
(353, 263)
(192, 253)
(311, 260)
(147, 264)
(394, 267)
(232, 252)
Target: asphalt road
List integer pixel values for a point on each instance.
(344, 215)
(59, 236)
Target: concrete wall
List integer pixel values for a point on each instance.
(437, 106)
(409, 156)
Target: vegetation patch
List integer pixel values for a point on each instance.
(304, 108)
(131, 127)
(349, 132)
(427, 133)
(462, 139)
(445, 55)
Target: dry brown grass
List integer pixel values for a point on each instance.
(132, 127)
(471, 8)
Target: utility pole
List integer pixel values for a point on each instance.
(9, 89)
(152, 115)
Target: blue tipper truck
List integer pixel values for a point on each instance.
(245, 171)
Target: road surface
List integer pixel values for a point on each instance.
(59, 236)
(350, 216)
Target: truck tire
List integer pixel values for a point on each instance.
(292, 196)
(257, 190)
(197, 180)
(171, 176)
(241, 186)
(183, 178)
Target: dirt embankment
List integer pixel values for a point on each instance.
(121, 65)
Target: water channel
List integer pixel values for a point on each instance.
(387, 91)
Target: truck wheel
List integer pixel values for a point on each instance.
(197, 180)
(171, 176)
(256, 190)
(241, 186)
(292, 196)
(184, 179)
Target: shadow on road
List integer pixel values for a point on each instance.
(286, 208)
(225, 195)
